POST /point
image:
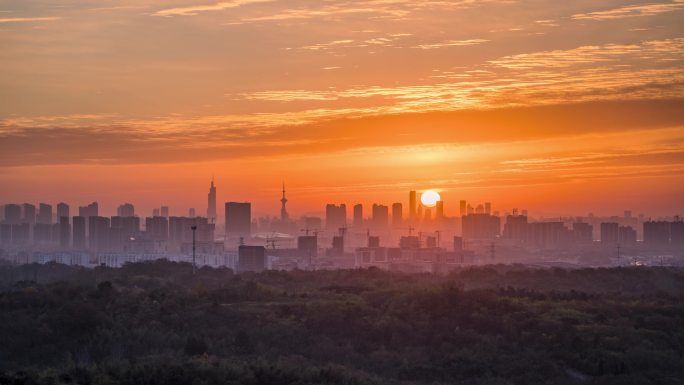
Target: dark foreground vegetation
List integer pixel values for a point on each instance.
(154, 323)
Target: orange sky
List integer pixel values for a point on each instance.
(557, 108)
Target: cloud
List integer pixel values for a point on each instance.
(27, 19)
(451, 43)
(194, 10)
(631, 11)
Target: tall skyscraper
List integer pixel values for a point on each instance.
(488, 208)
(380, 216)
(44, 214)
(62, 210)
(165, 211)
(463, 209)
(211, 202)
(397, 214)
(92, 210)
(439, 210)
(609, 233)
(283, 210)
(358, 215)
(64, 231)
(238, 219)
(335, 216)
(79, 233)
(12, 214)
(412, 206)
(126, 210)
(29, 215)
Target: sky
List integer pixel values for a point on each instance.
(558, 107)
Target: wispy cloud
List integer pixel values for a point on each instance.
(194, 10)
(451, 43)
(27, 19)
(631, 11)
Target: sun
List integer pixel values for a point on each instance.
(430, 198)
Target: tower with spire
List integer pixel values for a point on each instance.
(283, 210)
(211, 202)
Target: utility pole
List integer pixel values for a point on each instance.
(194, 230)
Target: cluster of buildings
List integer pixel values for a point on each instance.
(422, 239)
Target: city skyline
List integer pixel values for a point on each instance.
(556, 107)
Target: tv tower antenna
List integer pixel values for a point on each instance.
(283, 201)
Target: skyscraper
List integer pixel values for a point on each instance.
(126, 210)
(335, 216)
(44, 214)
(439, 210)
(397, 214)
(238, 219)
(380, 216)
(609, 233)
(79, 233)
(165, 211)
(211, 202)
(463, 208)
(12, 214)
(412, 205)
(283, 210)
(92, 210)
(64, 231)
(29, 215)
(62, 210)
(358, 215)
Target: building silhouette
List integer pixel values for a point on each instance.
(126, 210)
(251, 258)
(335, 216)
(283, 209)
(397, 214)
(211, 202)
(238, 219)
(91, 210)
(358, 215)
(413, 203)
(62, 210)
(610, 233)
(44, 214)
(380, 216)
(29, 213)
(79, 232)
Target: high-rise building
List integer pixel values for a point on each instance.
(191, 213)
(657, 233)
(91, 210)
(480, 226)
(79, 233)
(413, 203)
(62, 210)
(358, 215)
(610, 233)
(583, 232)
(515, 228)
(380, 216)
(677, 233)
(64, 231)
(488, 208)
(12, 214)
(165, 211)
(463, 209)
(98, 233)
(157, 228)
(238, 219)
(335, 216)
(627, 235)
(307, 246)
(397, 214)
(439, 210)
(211, 202)
(156, 213)
(29, 213)
(44, 214)
(283, 209)
(125, 210)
